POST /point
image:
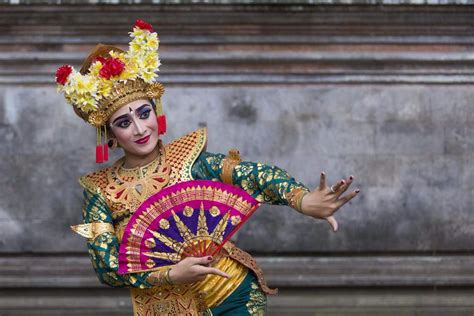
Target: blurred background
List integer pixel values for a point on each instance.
(380, 89)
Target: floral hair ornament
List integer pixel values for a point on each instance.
(110, 78)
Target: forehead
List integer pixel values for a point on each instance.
(132, 105)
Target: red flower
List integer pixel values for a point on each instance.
(101, 59)
(143, 25)
(112, 67)
(62, 73)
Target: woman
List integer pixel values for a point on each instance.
(116, 92)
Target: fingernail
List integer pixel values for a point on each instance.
(209, 258)
(357, 191)
(342, 181)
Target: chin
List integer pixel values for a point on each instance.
(143, 150)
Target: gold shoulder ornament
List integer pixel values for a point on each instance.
(93, 230)
(228, 165)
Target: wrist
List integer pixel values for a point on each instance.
(295, 198)
(168, 276)
(160, 277)
(302, 202)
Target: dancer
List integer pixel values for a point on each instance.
(117, 92)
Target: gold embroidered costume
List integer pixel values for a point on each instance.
(116, 192)
(109, 79)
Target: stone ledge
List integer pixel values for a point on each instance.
(74, 271)
(259, 67)
(353, 302)
(240, 2)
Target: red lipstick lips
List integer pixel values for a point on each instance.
(143, 140)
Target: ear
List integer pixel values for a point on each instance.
(110, 133)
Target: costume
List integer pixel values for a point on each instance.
(113, 193)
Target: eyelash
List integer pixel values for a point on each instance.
(144, 115)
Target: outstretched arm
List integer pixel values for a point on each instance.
(273, 185)
(267, 184)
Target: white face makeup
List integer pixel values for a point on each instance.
(135, 127)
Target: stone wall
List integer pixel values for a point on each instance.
(383, 92)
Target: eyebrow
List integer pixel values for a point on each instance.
(126, 115)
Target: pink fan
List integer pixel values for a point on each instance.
(193, 218)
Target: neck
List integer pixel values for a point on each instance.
(133, 161)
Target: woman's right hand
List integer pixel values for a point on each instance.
(193, 269)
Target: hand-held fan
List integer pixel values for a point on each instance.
(193, 218)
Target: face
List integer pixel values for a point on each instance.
(135, 127)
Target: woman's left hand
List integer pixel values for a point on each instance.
(324, 201)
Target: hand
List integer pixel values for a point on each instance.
(323, 202)
(193, 269)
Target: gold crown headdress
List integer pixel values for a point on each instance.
(110, 78)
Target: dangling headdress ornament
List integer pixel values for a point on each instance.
(110, 78)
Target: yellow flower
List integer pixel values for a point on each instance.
(152, 42)
(148, 76)
(86, 102)
(118, 55)
(105, 86)
(82, 84)
(95, 68)
(132, 66)
(135, 46)
(138, 33)
(150, 62)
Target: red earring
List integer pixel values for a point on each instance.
(101, 150)
(99, 153)
(161, 124)
(104, 146)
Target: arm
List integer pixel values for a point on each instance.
(103, 246)
(268, 184)
(273, 185)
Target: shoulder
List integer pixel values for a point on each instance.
(196, 140)
(95, 181)
(183, 152)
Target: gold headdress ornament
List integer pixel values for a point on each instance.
(110, 78)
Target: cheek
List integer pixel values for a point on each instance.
(122, 135)
(151, 123)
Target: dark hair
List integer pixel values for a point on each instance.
(153, 104)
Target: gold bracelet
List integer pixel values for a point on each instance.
(157, 278)
(295, 198)
(167, 277)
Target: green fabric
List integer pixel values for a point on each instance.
(267, 184)
(246, 299)
(105, 248)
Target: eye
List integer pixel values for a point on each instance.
(145, 114)
(123, 124)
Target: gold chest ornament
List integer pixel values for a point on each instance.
(130, 187)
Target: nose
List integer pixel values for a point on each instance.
(138, 127)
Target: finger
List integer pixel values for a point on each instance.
(343, 200)
(343, 188)
(322, 181)
(338, 185)
(332, 222)
(215, 271)
(200, 260)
